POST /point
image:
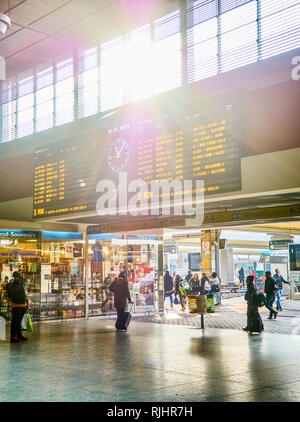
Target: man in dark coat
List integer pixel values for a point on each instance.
(242, 277)
(168, 287)
(270, 294)
(121, 294)
(18, 301)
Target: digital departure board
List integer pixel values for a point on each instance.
(204, 146)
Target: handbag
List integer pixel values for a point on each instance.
(215, 288)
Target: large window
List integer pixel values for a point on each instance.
(64, 92)
(220, 35)
(44, 98)
(239, 36)
(111, 74)
(167, 70)
(9, 110)
(202, 40)
(138, 63)
(280, 26)
(88, 83)
(25, 105)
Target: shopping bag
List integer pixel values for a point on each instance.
(24, 322)
(29, 323)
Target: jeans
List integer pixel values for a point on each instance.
(171, 298)
(278, 297)
(216, 297)
(15, 326)
(269, 303)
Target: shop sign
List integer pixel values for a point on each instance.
(16, 253)
(18, 234)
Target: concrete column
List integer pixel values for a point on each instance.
(85, 274)
(160, 275)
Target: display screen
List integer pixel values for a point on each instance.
(294, 256)
(203, 146)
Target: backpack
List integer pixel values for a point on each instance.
(259, 300)
(10, 291)
(184, 287)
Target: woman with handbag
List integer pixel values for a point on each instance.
(205, 286)
(215, 287)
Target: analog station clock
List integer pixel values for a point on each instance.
(118, 155)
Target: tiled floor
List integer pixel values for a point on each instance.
(89, 361)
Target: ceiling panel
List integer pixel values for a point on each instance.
(19, 41)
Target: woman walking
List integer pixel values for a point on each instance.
(215, 288)
(254, 322)
(195, 284)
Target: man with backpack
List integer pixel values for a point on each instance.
(270, 290)
(18, 301)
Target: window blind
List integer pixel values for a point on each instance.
(88, 83)
(111, 75)
(202, 39)
(167, 52)
(25, 104)
(238, 36)
(139, 64)
(280, 28)
(9, 95)
(44, 98)
(64, 92)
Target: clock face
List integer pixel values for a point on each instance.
(118, 154)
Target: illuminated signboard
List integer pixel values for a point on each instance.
(204, 146)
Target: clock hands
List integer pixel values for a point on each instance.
(119, 152)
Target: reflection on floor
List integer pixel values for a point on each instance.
(89, 361)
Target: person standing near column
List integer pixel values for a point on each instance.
(241, 276)
(270, 294)
(168, 287)
(279, 280)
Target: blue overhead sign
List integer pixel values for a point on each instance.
(62, 235)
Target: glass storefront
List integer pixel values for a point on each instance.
(108, 256)
(62, 284)
(19, 251)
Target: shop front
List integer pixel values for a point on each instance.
(20, 251)
(51, 265)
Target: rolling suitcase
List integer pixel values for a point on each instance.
(123, 322)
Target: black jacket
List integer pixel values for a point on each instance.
(16, 292)
(168, 283)
(269, 285)
(279, 280)
(120, 288)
